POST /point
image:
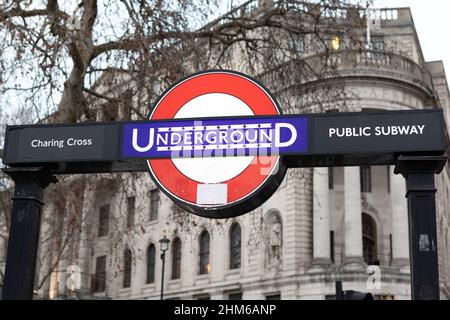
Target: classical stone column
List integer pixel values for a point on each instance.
(46, 249)
(62, 273)
(400, 243)
(65, 252)
(352, 218)
(321, 218)
(139, 271)
(84, 250)
(218, 259)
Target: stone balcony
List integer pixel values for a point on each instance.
(382, 17)
(347, 64)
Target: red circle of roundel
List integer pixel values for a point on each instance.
(167, 175)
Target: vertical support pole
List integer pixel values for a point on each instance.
(419, 173)
(24, 230)
(163, 258)
(339, 292)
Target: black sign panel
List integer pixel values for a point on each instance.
(378, 132)
(61, 143)
(330, 139)
(371, 138)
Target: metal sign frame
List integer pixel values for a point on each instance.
(359, 156)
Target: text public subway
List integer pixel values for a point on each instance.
(376, 131)
(53, 143)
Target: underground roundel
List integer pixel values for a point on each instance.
(217, 187)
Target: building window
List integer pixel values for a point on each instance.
(330, 178)
(369, 240)
(131, 202)
(100, 274)
(151, 263)
(127, 260)
(202, 297)
(154, 204)
(296, 42)
(377, 43)
(235, 246)
(204, 266)
(176, 258)
(103, 223)
(235, 296)
(335, 42)
(366, 179)
(276, 296)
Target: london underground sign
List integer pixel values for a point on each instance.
(214, 163)
(201, 180)
(217, 144)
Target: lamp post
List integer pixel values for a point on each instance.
(163, 246)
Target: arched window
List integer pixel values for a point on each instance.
(127, 260)
(369, 239)
(176, 258)
(151, 263)
(235, 246)
(204, 266)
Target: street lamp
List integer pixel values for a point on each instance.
(163, 246)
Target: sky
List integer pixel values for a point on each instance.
(432, 21)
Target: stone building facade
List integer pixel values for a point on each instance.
(322, 225)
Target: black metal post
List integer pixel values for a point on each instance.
(163, 258)
(419, 173)
(339, 292)
(24, 230)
